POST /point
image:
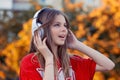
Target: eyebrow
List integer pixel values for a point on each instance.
(59, 22)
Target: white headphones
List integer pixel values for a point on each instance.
(36, 24)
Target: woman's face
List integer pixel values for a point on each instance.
(59, 30)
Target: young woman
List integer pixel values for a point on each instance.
(49, 60)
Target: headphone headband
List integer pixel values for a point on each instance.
(35, 24)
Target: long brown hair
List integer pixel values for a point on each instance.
(46, 17)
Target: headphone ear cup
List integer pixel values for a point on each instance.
(41, 31)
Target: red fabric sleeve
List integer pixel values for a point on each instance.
(28, 69)
(84, 68)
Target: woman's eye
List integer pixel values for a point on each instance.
(57, 25)
(66, 26)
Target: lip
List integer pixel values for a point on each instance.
(63, 39)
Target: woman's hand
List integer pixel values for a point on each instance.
(42, 47)
(72, 40)
(48, 56)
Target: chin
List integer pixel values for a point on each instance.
(61, 43)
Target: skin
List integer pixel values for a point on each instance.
(58, 28)
(59, 32)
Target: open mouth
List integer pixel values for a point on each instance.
(62, 36)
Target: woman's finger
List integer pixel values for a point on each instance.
(44, 41)
(39, 38)
(35, 39)
(71, 33)
(35, 42)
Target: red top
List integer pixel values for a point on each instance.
(83, 69)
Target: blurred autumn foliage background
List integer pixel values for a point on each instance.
(98, 28)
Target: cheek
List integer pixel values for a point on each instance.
(53, 34)
(67, 32)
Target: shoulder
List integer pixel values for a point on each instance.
(29, 61)
(79, 58)
(27, 58)
(84, 68)
(76, 58)
(78, 61)
(28, 68)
